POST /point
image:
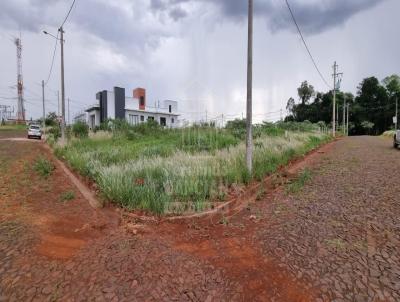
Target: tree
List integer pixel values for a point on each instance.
(51, 119)
(392, 85)
(305, 92)
(373, 105)
(290, 106)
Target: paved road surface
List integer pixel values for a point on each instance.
(338, 239)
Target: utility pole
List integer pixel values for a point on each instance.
(44, 112)
(249, 117)
(62, 87)
(347, 126)
(344, 114)
(68, 113)
(58, 103)
(20, 84)
(336, 76)
(397, 116)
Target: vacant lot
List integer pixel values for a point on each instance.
(185, 170)
(330, 235)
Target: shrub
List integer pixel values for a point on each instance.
(43, 166)
(80, 129)
(55, 131)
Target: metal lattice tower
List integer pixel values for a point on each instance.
(20, 84)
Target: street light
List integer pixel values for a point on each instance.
(61, 39)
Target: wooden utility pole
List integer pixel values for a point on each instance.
(249, 116)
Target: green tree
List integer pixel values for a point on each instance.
(392, 85)
(305, 92)
(373, 105)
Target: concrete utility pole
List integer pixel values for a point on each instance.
(249, 117)
(68, 113)
(62, 87)
(58, 103)
(336, 76)
(20, 82)
(44, 112)
(347, 126)
(334, 101)
(344, 115)
(397, 116)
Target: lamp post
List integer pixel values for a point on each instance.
(61, 39)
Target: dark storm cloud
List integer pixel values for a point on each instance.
(113, 23)
(313, 16)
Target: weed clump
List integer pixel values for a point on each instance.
(67, 196)
(43, 167)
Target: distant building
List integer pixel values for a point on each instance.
(80, 117)
(115, 105)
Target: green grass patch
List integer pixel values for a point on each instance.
(298, 183)
(67, 196)
(43, 167)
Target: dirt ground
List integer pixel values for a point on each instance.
(335, 239)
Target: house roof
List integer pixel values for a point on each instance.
(93, 107)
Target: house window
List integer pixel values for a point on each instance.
(151, 118)
(133, 119)
(170, 108)
(172, 120)
(163, 121)
(141, 101)
(142, 118)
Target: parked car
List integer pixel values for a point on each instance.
(396, 139)
(34, 131)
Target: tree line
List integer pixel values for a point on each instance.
(371, 110)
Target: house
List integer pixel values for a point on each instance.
(116, 105)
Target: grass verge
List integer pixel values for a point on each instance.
(183, 170)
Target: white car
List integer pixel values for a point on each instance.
(34, 131)
(396, 139)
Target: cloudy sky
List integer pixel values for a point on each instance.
(194, 51)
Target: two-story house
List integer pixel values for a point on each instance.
(116, 105)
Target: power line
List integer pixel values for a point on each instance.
(52, 61)
(70, 9)
(305, 44)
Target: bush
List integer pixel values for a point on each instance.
(80, 129)
(44, 167)
(55, 131)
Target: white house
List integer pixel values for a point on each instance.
(114, 104)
